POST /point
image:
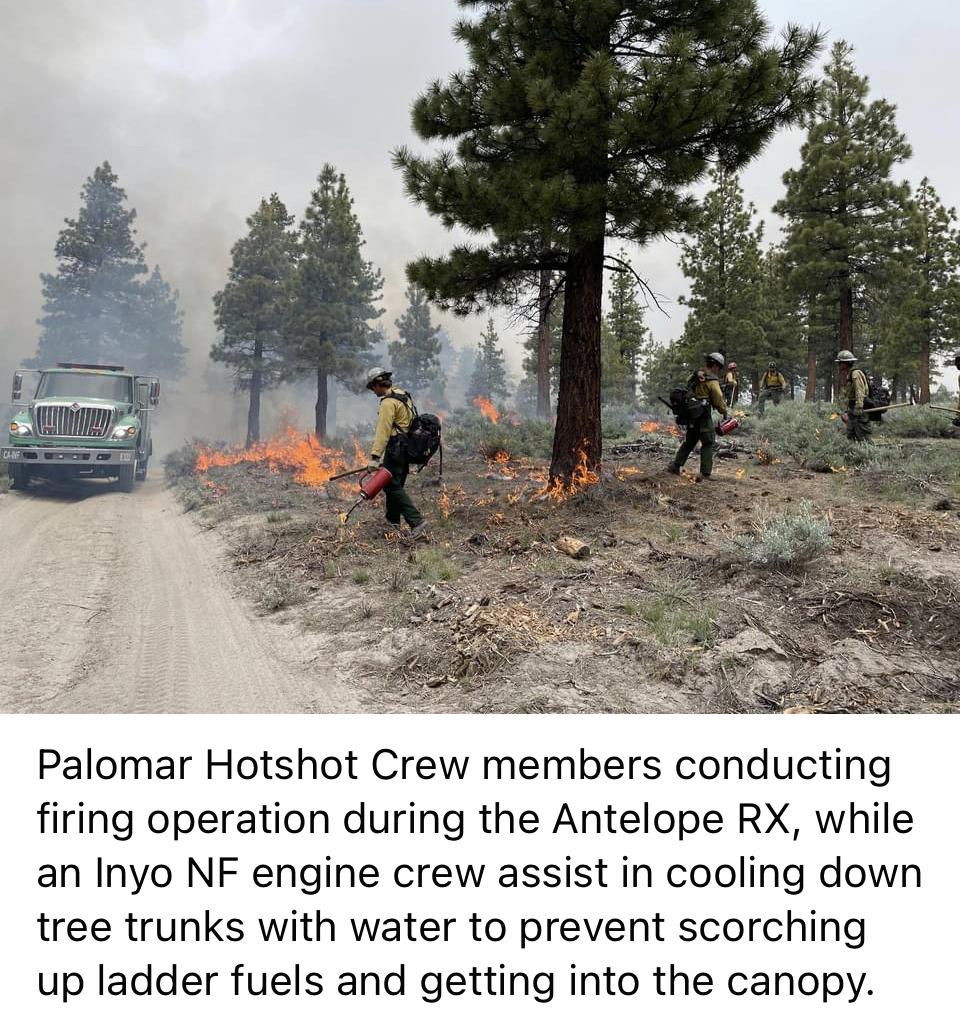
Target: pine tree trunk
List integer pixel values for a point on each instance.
(924, 366)
(320, 427)
(256, 385)
(543, 346)
(811, 394)
(578, 403)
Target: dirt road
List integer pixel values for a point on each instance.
(115, 603)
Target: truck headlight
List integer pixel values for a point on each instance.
(123, 431)
(20, 430)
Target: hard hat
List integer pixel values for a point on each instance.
(732, 365)
(378, 375)
(772, 364)
(715, 358)
(846, 357)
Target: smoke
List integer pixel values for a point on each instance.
(205, 106)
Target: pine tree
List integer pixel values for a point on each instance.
(544, 371)
(251, 308)
(624, 336)
(333, 293)
(723, 261)
(489, 377)
(96, 310)
(842, 207)
(415, 357)
(582, 120)
(928, 297)
(155, 346)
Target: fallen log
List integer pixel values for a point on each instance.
(573, 547)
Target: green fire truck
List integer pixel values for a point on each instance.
(81, 420)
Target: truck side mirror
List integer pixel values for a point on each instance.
(17, 386)
(155, 392)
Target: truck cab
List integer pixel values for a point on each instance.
(81, 420)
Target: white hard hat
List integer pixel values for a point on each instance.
(378, 375)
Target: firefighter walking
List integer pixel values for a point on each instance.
(389, 450)
(853, 391)
(703, 385)
(772, 386)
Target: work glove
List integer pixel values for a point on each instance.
(374, 465)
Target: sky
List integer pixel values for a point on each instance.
(204, 106)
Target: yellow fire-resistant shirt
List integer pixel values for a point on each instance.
(773, 380)
(854, 390)
(707, 387)
(395, 417)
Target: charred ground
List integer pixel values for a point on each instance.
(810, 575)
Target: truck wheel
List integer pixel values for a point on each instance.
(141, 474)
(126, 476)
(19, 476)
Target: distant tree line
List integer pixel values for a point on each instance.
(867, 262)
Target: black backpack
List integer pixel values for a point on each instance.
(877, 395)
(424, 436)
(687, 407)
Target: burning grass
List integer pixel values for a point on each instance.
(311, 463)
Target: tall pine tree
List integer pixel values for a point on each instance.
(624, 337)
(333, 293)
(929, 304)
(251, 308)
(415, 356)
(582, 120)
(842, 206)
(723, 261)
(96, 308)
(489, 378)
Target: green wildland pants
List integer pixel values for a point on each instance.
(775, 394)
(399, 503)
(859, 428)
(700, 431)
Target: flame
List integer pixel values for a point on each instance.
(581, 478)
(313, 464)
(444, 503)
(501, 457)
(649, 427)
(483, 404)
(741, 473)
(622, 473)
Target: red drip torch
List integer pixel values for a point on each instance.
(725, 427)
(370, 485)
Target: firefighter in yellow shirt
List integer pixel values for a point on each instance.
(853, 391)
(389, 450)
(772, 386)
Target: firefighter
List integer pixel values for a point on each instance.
(705, 385)
(389, 450)
(731, 384)
(853, 391)
(772, 386)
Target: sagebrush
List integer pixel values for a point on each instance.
(792, 539)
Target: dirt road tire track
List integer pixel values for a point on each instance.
(115, 603)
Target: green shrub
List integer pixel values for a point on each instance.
(807, 434)
(790, 540)
(467, 432)
(918, 422)
(618, 420)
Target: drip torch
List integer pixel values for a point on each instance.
(371, 484)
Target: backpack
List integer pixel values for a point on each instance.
(877, 395)
(424, 436)
(687, 407)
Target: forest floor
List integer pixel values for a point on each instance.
(667, 614)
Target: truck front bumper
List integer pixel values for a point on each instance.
(45, 456)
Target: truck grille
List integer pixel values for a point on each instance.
(73, 420)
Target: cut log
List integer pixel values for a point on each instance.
(573, 547)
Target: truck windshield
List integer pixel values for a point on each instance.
(76, 385)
